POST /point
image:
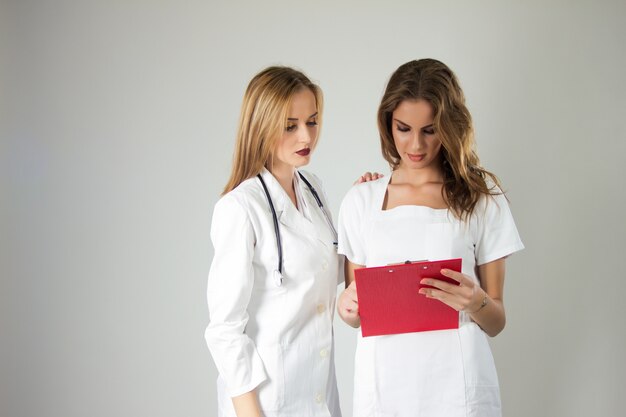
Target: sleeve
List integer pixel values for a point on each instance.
(351, 239)
(230, 282)
(497, 234)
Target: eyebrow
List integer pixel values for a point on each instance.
(295, 119)
(407, 125)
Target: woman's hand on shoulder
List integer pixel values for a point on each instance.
(368, 176)
(348, 306)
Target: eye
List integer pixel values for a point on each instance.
(311, 123)
(403, 128)
(290, 128)
(429, 131)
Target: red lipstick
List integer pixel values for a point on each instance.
(304, 152)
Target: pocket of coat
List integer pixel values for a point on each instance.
(271, 391)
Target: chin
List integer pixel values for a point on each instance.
(301, 163)
(415, 165)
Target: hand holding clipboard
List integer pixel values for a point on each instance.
(389, 299)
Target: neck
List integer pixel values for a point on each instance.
(284, 175)
(417, 177)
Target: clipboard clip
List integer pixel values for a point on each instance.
(407, 262)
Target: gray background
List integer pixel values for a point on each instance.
(117, 124)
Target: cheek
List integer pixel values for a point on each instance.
(280, 149)
(435, 145)
(283, 143)
(399, 140)
(314, 134)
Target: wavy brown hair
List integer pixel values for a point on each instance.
(465, 180)
(263, 117)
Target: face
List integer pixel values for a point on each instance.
(414, 135)
(294, 148)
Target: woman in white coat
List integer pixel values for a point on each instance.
(439, 203)
(274, 275)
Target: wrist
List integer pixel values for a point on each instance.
(484, 300)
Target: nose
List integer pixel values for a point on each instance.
(417, 141)
(304, 135)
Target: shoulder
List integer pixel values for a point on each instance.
(495, 196)
(493, 205)
(363, 197)
(241, 198)
(366, 191)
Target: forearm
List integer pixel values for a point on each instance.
(247, 405)
(491, 318)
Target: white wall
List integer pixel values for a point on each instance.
(118, 122)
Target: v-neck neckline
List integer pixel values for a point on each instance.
(285, 206)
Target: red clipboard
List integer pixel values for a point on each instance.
(389, 301)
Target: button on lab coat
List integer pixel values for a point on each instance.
(277, 339)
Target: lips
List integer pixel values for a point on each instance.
(304, 152)
(416, 157)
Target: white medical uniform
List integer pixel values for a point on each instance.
(277, 339)
(447, 373)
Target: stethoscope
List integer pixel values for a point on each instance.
(278, 273)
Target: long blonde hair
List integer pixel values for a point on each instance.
(432, 81)
(263, 117)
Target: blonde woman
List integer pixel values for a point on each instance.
(439, 203)
(274, 275)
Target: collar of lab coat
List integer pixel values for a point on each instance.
(288, 215)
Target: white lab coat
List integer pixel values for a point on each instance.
(277, 339)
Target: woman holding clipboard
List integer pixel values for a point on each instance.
(439, 203)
